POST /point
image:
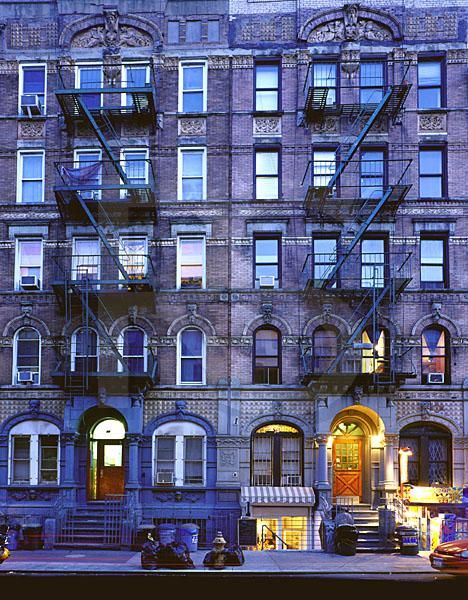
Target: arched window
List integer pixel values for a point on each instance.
(277, 455)
(27, 356)
(179, 454)
(375, 351)
(435, 363)
(325, 348)
(133, 348)
(431, 450)
(84, 351)
(267, 356)
(34, 453)
(191, 361)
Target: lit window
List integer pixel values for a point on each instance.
(192, 87)
(32, 92)
(429, 83)
(133, 256)
(267, 174)
(325, 77)
(375, 353)
(191, 356)
(27, 357)
(28, 272)
(192, 174)
(277, 456)
(30, 177)
(266, 86)
(431, 450)
(433, 262)
(191, 262)
(267, 356)
(34, 453)
(435, 355)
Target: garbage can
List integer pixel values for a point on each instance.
(167, 533)
(408, 538)
(32, 536)
(346, 536)
(188, 533)
(13, 536)
(142, 534)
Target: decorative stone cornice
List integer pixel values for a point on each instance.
(242, 62)
(218, 62)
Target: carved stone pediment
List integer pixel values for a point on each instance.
(128, 37)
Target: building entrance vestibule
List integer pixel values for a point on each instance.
(106, 459)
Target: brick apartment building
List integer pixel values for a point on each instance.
(233, 264)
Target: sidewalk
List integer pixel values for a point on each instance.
(122, 561)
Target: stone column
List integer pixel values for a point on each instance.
(321, 470)
(69, 483)
(133, 441)
(391, 442)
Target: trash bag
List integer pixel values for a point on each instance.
(234, 557)
(149, 552)
(346, 537)
(174, 556)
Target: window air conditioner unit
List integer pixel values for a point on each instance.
(165, 477)
(31, 105)
(30, 282)
(25, 377)
(267, 281)
(435, 378)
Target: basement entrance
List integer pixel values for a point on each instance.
(106, 459)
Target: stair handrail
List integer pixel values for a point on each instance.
(275, 536)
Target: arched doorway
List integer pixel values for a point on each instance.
(106, 459)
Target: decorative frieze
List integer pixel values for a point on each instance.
(194, 126)
(432, 122)
(327, 125)
(218, 62)
(242, 62)
(31, 129)
(429, 26)
(266, 126)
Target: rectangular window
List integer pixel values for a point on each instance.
(372, 174)
(324, 167)
(373, 263)
(266, 174)
(192, 87)
(134, 76)
(267, 86)
(325, 77)
(262, 460)
(431, 182)
(267, 262)
(90, 78)
(133, 256)
(192, 174)
(32, 90)
(291, 468)
(325, 254)
(135, 165)
(28, 272)
(213, 31)
(193, 32)
(372, 82)
(48, 458)
(433, 262)
(21, 446)
(429, 83)
(191, 263)
(86, 259)
(91, 163)
(193, 460)
(165, 458)
(173, 32)
(30, 187)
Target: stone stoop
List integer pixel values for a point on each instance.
(85, 529)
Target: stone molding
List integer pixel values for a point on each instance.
(192, 126)
(266, 126)
(432, 122)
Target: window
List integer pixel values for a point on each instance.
(434, 269)
(431, 450)
(34, 453)
(192, 87)
(89, 78)
(375, 353)
(135, 166)
(173, 32)
(193, 32)
(435, 355)
(277, 456)
(132, 346)
(191, 356)
(133, 256)
(266, 174)
(431, 183)
(373, 263)
(325, 255)
(267, 356)
(32, 90)
(28, 272)
(325, 350)
(372, 174)
(324, 167)
(192, 174)
(191, 262)
(372, 82)
(91, 161)
(134, 76)
(84, 351)
(325, 77)
(267, 86)
(86, 260)
(267, 261)
(213, 31)
(179, 454)
(27, 356)
(30, 187)
(429, 83)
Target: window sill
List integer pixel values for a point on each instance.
(191, 115)
(268, 113)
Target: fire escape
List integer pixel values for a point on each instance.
(347, 194)
(107, 275)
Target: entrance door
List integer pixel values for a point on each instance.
(347, 463)
(110, 472)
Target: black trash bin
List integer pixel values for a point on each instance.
(408, 539)
(32, 536)
(346, 536)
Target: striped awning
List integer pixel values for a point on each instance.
(260, 494)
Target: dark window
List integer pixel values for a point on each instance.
(213, 31)
(431, 181)
(325, 348)
(430, 83)
(134, 351)
(34, 83)
(372, 166)
(173, 32)
(21, 458)
(373, 262)
(191, 356)
(48, 458)
(267, 174)
(267, 262)
(193, 463)
(431, 448)
(266, 356)
(85, 351)
(267, 86)
(371, 82)
(435, 355)
(165, 454)
(434, 262)
(28, 344)
(193, 31)
(277, 456)
(325, 77)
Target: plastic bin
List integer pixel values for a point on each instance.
(167, 533)
(408, 538)
(346, 536)
(188, 534)
(32, 536)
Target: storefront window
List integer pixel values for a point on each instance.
(429, 462)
